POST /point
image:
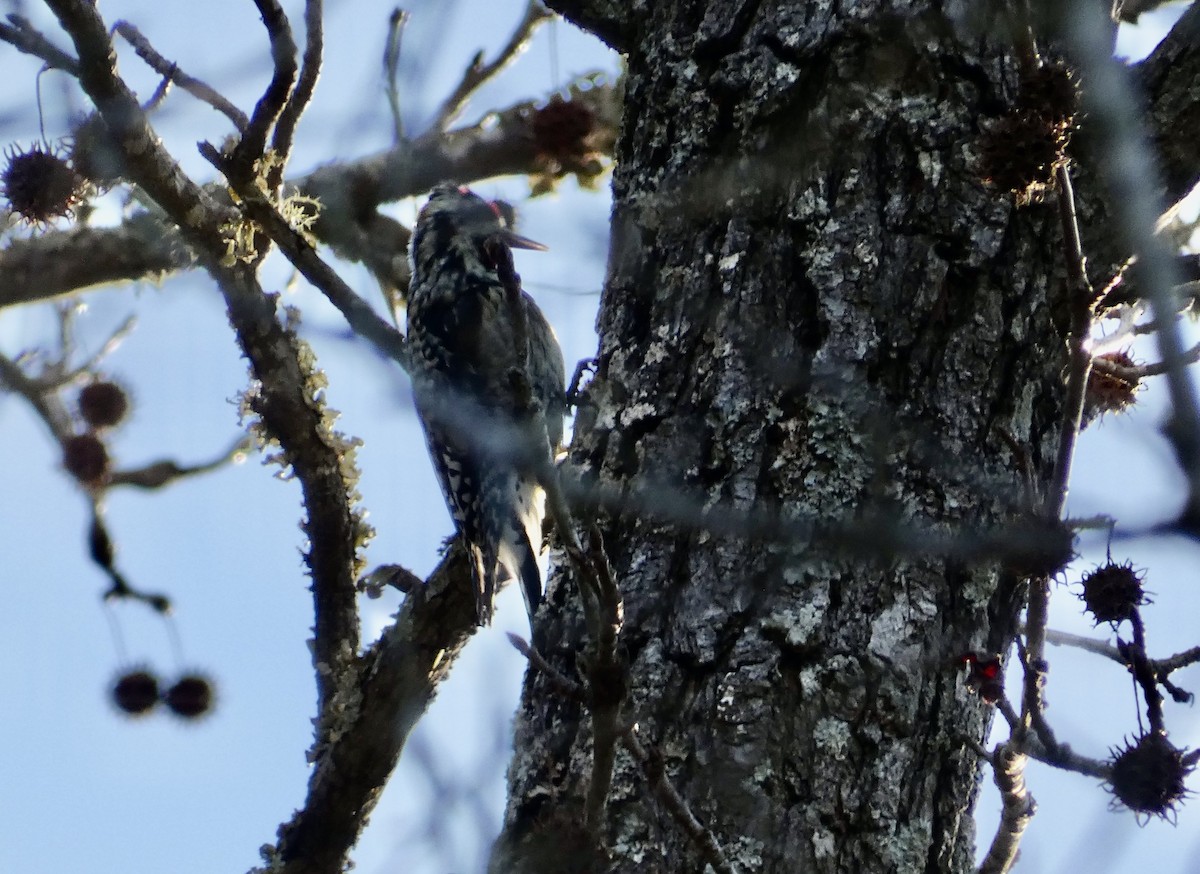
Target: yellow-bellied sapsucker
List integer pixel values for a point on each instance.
(482, 356)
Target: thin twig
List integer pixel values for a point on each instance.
(358, 313)
(103, 553)
(391, 68)
(1141, 371)
(1143, 672)
(652, 766)
(478, 72)
(44, 402)
(1161, 668)
(1081, 299)
(562, 684)
(1087, 644)
(24, 37)
(163, 473)
(170, 71)
(159, 96)
(310, 72)
(114, 341)
(1177, 661)
(608, 678)
(253, 143)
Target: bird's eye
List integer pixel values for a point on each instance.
(505, 212)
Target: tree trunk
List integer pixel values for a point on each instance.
(814, 309)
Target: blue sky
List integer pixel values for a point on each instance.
(84, 790)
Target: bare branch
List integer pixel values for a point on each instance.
(253, 143)
(24, 37)
(170, 71)
(561, 684)
(1081, 299)
(392, 685)
(310, 71)
(1141, 371)
(1008, 770)
(286, 399)
(56, 263)
(648, 759)
(477, 73)
(361, 318)
(165, 472)
(391, 67)
(59, 262)
(47, 406)
(1087, 644)
(1180, 660)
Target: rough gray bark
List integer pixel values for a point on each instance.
(813, 304)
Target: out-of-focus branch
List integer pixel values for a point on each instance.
(24, 37)
(1136, 206)
(1167, 80)
(59, 262)
(164, 472)
(477, 72)
(14, 379)
(170, 70)
(391, 67)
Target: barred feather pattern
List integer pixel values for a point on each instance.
(464, 333)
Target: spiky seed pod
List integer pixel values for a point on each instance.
(1148, 776)
(103, 404)
(1108, 392)
(86, 458)
(191, 697)
(135, 692)
(94, 154)
(1021, 152)
(1113, 592)
(561, 129)
(1052, 92)
(39, 185)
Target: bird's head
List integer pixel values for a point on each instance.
(455, 218)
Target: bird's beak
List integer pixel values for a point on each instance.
(516, 241)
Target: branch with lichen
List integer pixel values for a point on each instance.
(361, 698)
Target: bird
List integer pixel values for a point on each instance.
(483, 359)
